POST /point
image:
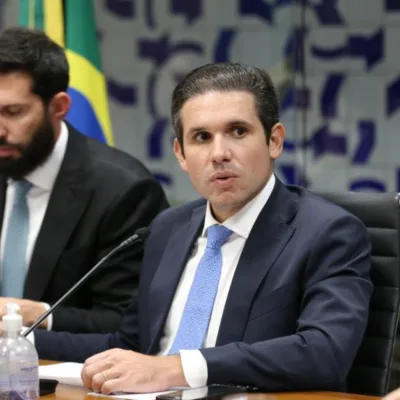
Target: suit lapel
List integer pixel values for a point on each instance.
(68, 200)
(167, 276)
(270, 233)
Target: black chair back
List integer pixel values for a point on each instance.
(370, 373)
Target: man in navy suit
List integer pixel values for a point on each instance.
(259, 284)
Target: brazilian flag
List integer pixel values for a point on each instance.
(71, 23)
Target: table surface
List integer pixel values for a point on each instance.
(65, 392)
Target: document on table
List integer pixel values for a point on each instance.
(132, 396)
(68, 373)
(190, 394)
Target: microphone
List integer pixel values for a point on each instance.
(138, 237)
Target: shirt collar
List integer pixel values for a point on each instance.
(242, 222)
(45, 175)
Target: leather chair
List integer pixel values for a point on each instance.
(371, 371)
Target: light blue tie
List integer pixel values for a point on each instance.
(13, 261)
(199, 304)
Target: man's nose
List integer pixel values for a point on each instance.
(220, 151)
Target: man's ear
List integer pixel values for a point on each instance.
(59, 106)
(276, 140)
(178, 151)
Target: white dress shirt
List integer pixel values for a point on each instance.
(42, 180)
(193, 363)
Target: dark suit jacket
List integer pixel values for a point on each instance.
(100, 197)
(297, 308)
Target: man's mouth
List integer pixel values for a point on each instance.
(7, 151)
(223, 176)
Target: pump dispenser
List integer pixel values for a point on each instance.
(12, 321)
(19, 363)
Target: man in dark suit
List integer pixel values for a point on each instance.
(82, 198)
(259, 284)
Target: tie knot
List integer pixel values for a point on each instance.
(217, 235)
(22, 188)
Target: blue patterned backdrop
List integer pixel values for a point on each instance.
(336, 64)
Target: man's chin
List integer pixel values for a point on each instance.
(226, 201)
(11, 169)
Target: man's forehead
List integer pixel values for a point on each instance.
(244, 95)
(15, 88)
(18, 80)
(234, 105)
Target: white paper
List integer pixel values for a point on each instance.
(70, 374)
(67, 373)
(190, 394)
(132, 396)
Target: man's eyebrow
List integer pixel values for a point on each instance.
(196, 129)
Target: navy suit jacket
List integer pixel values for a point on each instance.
(297, 309)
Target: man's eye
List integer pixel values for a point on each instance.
(239, 131)
(202, 136)
(12, 112)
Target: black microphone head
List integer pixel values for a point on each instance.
(143, 233)
(139, 236)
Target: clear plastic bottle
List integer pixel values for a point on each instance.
(19, 363)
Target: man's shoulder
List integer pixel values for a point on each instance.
(111, 162)
(314, 209)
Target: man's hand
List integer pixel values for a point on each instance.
(30, 310)
(126, 371)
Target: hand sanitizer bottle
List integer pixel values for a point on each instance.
(19, 363)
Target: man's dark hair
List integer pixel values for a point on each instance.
(228, 77)
(33, 52)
